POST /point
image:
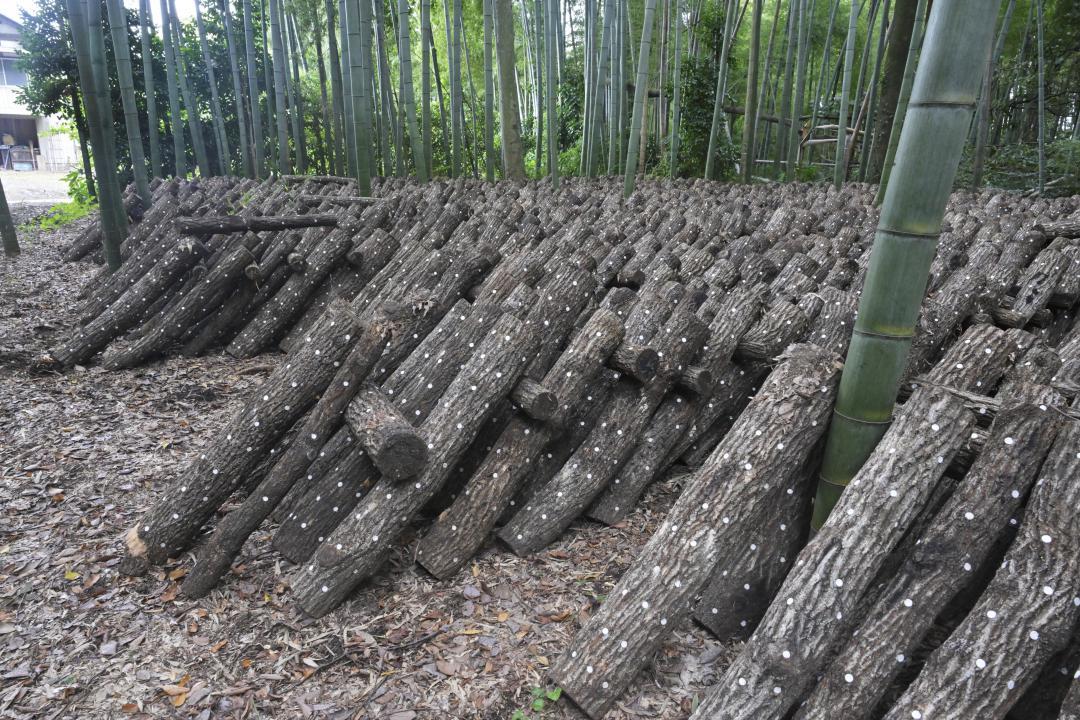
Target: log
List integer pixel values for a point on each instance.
(1024, 616)
(946, 558)
(769, 443)
(128, 309)
(205, 226)
(976, 361)
(783, 324)
(172, 524)
(814, 608)
(534, 399)
(394, 446)
(359, 545)
(343, 200)
(1036, 287)
(328, 455)
(608, 446)
(458, 532)
(228, 537)
(196, 304)
(1066, 227)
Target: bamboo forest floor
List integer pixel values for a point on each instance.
(83, 454)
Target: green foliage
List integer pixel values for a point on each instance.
(698, 90)
(541, 703)
(61, 214)
(78, 190)
(1016, 167)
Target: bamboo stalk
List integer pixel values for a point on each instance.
(552, 47)
(640, 91)
(840, 168)
(932, 141)
(179, 151)
(902, 103)
(238, 93)
(122, 55)
(8, 237)
(407, 101)
(751, 105)
(222, 140)
(153, 135)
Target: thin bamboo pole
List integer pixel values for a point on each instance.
(337, 90)
(361, 127)
(90, 57)
(425, 84)
(489, 90)
(118, 27)
(840, 168)
(902, 103)
(221, 139)
(238, 93)
(676, 94)
(640, 91)
(279, 87)
(751, 104)
(198, 141)
(258, 167)
(932, 140)
(408, 103)
(1040, 29)
(153, 134)
(175, 119)
(552, 47)
(718, 116)
(8, 237)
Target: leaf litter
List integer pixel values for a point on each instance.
(82, 456)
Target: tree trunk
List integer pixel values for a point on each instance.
(222, 140)
(258, 167)
(640, 92)
(7, 227)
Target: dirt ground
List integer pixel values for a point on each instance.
(82, 455)
(39, 187)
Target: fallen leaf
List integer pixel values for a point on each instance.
(218, 645)
(178, 573)
(71, 575)
(129, 708)
(174, 690)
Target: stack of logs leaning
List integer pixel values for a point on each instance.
(536, 355)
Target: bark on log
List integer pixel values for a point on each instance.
(608, 446)
(1024, 616)
(228, 538)
(395, 447)
(534, 399)
(1036, 287)
(127, 310)
(359, 545)
(171, 526)
(814, 608)
(769, 443)
(459, 531)
(196, 304)
(205, 226)
(976, 361)
(944, 560)
(328, 456)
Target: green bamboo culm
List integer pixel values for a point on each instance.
(640, 91)
(489, 91)
(217, 118)
(175, 121)
(718, 116)
(258, 168)
(1042, 96)
(278, 48)
(360, 114)
(935, 129)
(840, 168)
(153, 137)
(89, 44)
(407, 100)
(914, 48)
(198, 141)
(118, 27)
(750, 108)
(552, 48)
(238, 93)
(676, 93)
(8, 237)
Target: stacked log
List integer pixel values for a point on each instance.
(519, 356)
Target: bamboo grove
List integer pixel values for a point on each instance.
(726, 89)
